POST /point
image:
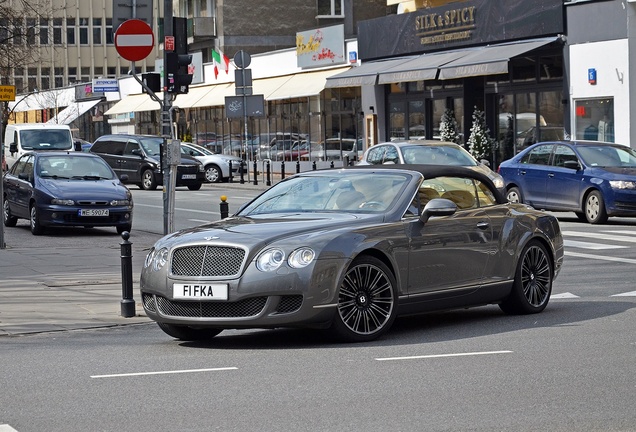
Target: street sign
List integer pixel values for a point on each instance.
(130, 9)
(105, 85)
(134, 40)
(168, 43)
(7, 93)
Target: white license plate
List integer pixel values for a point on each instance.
(93, 212)
(200, 291)
(189, 176)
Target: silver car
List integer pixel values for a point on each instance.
(351, 249)
(217, 166)
(426, 152)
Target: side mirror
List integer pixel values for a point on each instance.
(136, 152)
(13, 148)
(438, 207)
(123, 178)
(571, 165)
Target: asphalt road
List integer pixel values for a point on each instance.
(569, 368)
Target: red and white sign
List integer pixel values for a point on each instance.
(168, 43)
(134, 40)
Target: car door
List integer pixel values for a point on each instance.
(449, 252)
(110, 149)
(563, 184)
(18, 190)
(533, 175)
(131, 161)
(375, 155)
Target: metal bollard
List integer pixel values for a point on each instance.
(313, 166)
(268, 182)
(127, 301)
(241, 171)
(224, 207)
(282, 170)
(255, 166)
(346, 161)
(331, 165)
(297, 166)
(231, 175)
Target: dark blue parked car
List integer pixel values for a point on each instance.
(595, 180)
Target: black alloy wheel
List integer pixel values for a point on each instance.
(533, 281)
(367, 303)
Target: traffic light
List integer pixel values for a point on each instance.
(178, 61)
(177, 69)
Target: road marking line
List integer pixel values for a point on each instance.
(200, 221)
(620, 232)
(602, 258)
(588, 245)
(566, 295)
(163, 372)
(444, 355)
(6, 428)
(600, 236)
(627, 294)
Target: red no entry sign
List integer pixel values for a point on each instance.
(134, 40)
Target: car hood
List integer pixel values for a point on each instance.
(252, 231)
(617, 171)
(84, 189)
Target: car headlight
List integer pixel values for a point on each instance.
(498, 181)
(301, 257)
(156, 258)
(65, 202)
(270, 260)
(622, 184)
(120, 203)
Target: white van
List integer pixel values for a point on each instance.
(19, 138)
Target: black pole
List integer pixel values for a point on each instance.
(297, 167)
(231, 175)
(268, 181)
(346, 161)
(313, 166)
(241, 169)
(331, 165)
(224, 207)
(282, 170)
(255, 166)
(127, 302)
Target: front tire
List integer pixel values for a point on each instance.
(533, 281)
(148, 181)
(367, 303)
(9, 221)
(186, 333)
(594, 208)
(36, 226)
(195, 187)
(514, 195)
(213, 174)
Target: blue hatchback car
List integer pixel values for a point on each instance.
(595, 180)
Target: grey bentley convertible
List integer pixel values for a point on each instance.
(349, 250)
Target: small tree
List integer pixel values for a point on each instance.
(448, 128)
(480, 144)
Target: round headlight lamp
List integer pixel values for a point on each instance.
(301, 257)
(270, 260)
(160, 259)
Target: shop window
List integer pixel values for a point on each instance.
(396, 121)
(524, 69)
(594, 119)
(551, 68)
(417, 119)
(330, 8)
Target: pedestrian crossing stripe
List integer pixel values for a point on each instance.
(600, 236)
(593, 246)
(627, 294)
(599, 257)
(566, 295)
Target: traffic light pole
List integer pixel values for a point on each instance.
(166, 130)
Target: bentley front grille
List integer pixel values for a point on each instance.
(194, 309)
(207, 261)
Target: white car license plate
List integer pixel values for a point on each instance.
(200, 291)
(93, 212)
(189, 176)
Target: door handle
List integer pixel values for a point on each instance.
(551, 175)
(522, 172)
(483, 225)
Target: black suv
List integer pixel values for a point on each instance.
(138, 157)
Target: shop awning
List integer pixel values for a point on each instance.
(304, 84)
(73, 111)
(128, 104)
(489, 60)
(365, 74)
(420, 68)
(215, 96)
(193, 96)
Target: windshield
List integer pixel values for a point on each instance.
(352, 192)
(442, 155)
(608, 156)
(46, 139)
(152, 146)
(75, 167)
